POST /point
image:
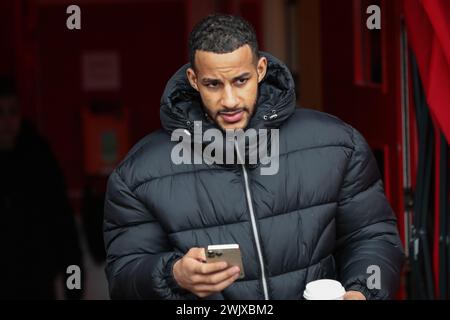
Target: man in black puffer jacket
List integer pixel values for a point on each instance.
(323, 214)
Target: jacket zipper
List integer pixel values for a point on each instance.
(253, 222)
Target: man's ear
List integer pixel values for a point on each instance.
(192, 77)
(261, 68)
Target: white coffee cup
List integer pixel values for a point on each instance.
(324, 289)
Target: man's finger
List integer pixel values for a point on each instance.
(354, 295)
(197, 254)
(216, 287)
(217, 277)
(207, 268)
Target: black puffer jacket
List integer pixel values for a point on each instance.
(323, 215)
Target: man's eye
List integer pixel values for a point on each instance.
(241, 82)
(212, 85)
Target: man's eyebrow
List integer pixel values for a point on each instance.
(244, 75)
(209, 80)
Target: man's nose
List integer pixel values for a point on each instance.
(229, 98)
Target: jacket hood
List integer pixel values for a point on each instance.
(181, 105)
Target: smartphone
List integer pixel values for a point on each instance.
(226, 252)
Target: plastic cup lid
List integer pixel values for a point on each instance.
(324, 289)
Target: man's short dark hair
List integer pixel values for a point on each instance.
(7, 87)
(220, 33)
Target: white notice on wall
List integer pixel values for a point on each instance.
(100, 70)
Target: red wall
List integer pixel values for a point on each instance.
(151, 40)
(6, 38)
(373, 109)
(45, 57)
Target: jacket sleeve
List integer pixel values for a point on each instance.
(367, 236)
(139, 258)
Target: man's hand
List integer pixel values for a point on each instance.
(203, 279)
(354, 295)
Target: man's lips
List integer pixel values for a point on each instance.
(232, 117)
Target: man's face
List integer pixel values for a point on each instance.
(9, 122)
(228, 85)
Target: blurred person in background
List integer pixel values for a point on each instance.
(38, 240)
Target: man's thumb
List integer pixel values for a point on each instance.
(197, 254)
